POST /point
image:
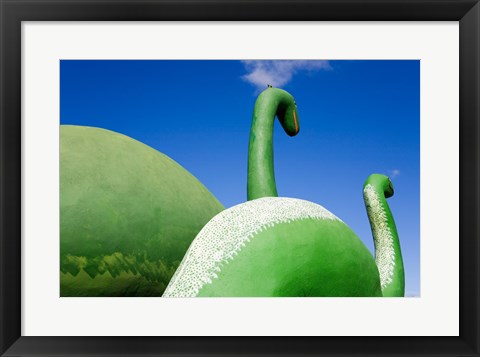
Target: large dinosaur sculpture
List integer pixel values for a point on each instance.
(127, 214)
(276, 246)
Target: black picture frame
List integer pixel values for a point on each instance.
(13, 12)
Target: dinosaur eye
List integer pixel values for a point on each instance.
(390, 185)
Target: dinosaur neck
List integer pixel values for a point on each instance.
(261, 177)
(388, 256)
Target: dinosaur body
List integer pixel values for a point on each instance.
(276, 246)
(127, 214)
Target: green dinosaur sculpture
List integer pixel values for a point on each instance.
(388, 255)
(127, 214)
(276, 246)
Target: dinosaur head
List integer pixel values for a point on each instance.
(382, 183)
(287, 112)
(290, 121)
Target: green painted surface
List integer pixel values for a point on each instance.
(306, 257)
(302, 258)
(127, 214)
(391, 252)
(271, 103)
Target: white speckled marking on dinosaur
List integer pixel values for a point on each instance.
(384, 251)
(228, 232)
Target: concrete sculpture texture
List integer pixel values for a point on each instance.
(275, 246)
(127, 214)
(388, 255)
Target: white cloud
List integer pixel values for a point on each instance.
(278, 73)
(394, 173)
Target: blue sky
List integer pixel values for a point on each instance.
(356, 118)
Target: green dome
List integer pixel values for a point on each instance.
(128, 214)
(276, 246)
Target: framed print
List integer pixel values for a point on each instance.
(134, 178)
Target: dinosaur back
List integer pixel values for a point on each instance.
(127, 214)
(276, 246)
